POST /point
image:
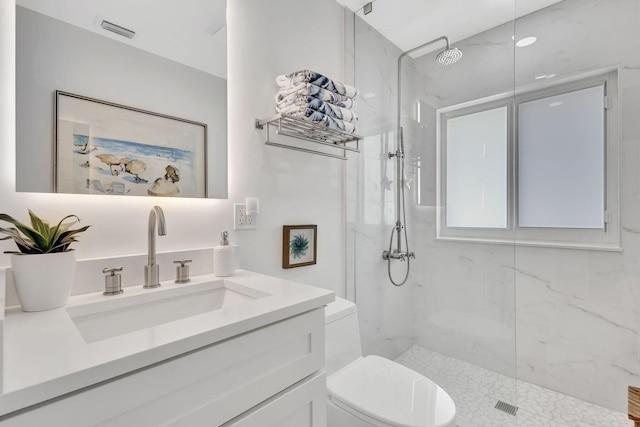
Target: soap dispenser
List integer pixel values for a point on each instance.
(224, 263)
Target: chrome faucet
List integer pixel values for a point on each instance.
(152, 270)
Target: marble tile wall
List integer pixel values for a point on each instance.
(385, 322)
(560, 318)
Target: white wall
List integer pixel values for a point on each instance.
(7, 102)
(264, 40)
(267, 39)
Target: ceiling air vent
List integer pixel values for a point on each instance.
(110, 26)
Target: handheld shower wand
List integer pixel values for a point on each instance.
(399, 253)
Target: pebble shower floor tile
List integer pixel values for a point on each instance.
(476, 390)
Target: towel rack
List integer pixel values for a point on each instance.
(293, 127)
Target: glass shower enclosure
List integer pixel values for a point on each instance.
(522, 206)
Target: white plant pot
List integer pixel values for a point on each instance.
(43, 281)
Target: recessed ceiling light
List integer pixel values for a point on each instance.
(540, 76)
(550, 76)
(556, 104)
(526, 41)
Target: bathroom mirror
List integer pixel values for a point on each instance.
(174, 66)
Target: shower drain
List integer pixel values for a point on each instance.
(506, 407)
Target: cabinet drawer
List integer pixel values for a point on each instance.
(219, 381)
(301, 405)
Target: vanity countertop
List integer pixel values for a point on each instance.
(45, 354)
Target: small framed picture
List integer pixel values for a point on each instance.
(299, 243)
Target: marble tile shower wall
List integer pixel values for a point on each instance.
(575, 311)
(386, 323)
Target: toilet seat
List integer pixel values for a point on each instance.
(386, 393)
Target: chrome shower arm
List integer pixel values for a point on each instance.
(445, 38)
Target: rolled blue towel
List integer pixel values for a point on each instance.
(319, 105)
(308, 76)
(331, 110)
(317, 117)
(291, 94)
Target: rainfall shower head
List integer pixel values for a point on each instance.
(449, 56)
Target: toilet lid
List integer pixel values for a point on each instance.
(391, 393)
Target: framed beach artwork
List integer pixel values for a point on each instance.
(106, 148)
(299, 243)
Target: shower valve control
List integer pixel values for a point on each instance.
(402, 256)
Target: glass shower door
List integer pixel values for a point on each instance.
(454, 319)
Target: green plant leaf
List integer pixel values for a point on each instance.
(63, 247)
(30, 233)
(66, 238)
(31, 250)
(17, 237)
(42, 238)
(39, 225)
(7, 218)
(12, 233)
(61, 228)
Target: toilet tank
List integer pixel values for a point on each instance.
(342, 335)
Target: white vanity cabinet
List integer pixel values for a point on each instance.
(270, 376)
(303, 405)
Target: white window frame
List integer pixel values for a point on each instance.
(607, 238)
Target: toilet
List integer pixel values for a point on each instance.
(374, 391)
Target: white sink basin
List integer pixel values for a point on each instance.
(140, 309)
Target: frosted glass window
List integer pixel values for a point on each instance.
(539, 167)
(561, 163)
(476, 170)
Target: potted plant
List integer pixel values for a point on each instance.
(44, 267)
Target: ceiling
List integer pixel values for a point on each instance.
(192, 32)
(410, 23)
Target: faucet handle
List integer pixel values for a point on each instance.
(182, 271)
(112, 281)
(111, 270)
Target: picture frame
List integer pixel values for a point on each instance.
(112, 149)
(299, 245)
